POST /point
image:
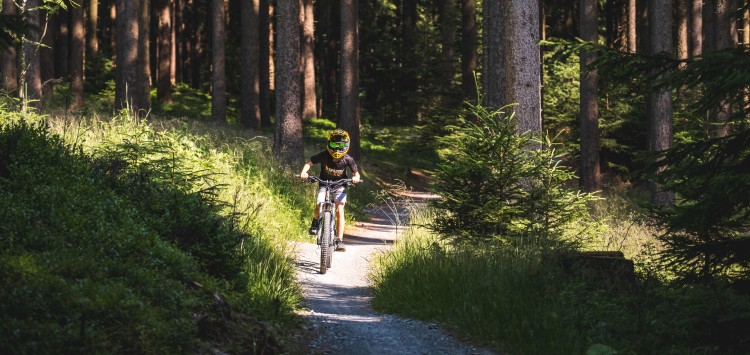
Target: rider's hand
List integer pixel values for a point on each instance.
(304, 176)
(356, 180)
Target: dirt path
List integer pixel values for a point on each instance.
(338, 303)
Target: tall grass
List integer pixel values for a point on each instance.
(265, 201)
(520, 301)
(210, 201)
(494, 295)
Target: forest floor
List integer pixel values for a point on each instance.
(339, 318)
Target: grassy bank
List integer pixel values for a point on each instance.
(144, 235)
(522, 302)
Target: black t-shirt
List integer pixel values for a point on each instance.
(333, 170)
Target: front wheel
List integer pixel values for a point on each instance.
(326, 242)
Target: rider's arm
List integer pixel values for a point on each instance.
(305, 168)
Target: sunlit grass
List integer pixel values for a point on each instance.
(265, 202)
(520, 301)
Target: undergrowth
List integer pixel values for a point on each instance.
(122, 237)
(517, 300)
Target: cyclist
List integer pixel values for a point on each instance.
(334, 162)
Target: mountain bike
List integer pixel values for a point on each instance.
(327, 220)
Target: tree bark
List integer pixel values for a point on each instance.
(349, 119)
(31, 74)
(77, 38)
(696, 28)
(92, 37)
(522, 63)
(309, 108)
(62, 44)
(218, 60)
(469, 49)
(164, 52)
(264, 68)
(660, 100)
(250, 96)
(288, 137)
(682, 12)
(726, 37)
(126, 54)
(47, 54)
(142, 94)
(709, 25)
(632, 26)
(8, 59)
(330, 75)
(746, 26)
(590, 175)
(493, 78)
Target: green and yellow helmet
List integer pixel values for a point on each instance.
(338, 143)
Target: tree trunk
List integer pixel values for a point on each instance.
(696, 28)
(218, 60)
(8, 59)
(113, 25)
(288, 137)
(264, 53)
(522, 62)
(590, 179)
(47, 54)
(349, 119)
(682, 29)
(469, 49)
(126, 54)
(164, 52)
(92, 38)
(173, 40)
(62, 44)
(709, 25)
(726, 37)
(660, 100)
(142, 94)
(632, 26)
(309, 108)
(746, 26)
(448, 39)
(77, 38)
(250, 96)
(31, 74)
(330, 75)
(493, 78)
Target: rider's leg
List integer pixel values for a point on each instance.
(316, 211)
(340, 220)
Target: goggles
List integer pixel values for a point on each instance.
(337, 145)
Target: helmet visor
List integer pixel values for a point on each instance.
(337, 145)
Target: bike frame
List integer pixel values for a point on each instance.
(327, 218)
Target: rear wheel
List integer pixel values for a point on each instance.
(325, 242)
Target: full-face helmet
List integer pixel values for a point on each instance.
(338, 143)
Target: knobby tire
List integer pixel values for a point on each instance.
(326, 242)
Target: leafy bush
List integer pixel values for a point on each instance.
(499, 184)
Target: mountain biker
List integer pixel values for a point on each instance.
(334, 162)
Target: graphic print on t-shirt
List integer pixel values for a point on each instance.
(333, 170)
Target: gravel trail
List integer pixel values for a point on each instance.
(339, 307)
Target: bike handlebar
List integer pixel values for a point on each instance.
(342, 182)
